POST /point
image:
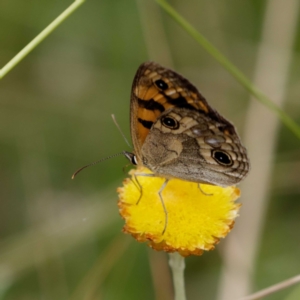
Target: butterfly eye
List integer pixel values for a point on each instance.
(161, 84)
(134, 160)
(170, 122)
(131, 157)
(222, 157)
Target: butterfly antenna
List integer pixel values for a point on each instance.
(123, 135)
(96, 162)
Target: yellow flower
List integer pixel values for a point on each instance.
(197, 216)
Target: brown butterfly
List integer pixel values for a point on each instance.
(176, 134)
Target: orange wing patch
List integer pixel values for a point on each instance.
(156, 90)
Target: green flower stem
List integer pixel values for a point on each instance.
(177, 264)
(234, 71)
(39, 38)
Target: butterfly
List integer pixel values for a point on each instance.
(177, 134)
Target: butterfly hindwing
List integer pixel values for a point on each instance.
(175, 132)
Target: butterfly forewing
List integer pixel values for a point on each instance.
(177, 134)
(156, 89)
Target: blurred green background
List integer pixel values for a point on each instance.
(61, 239)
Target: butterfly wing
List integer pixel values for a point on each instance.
(185, 144)
(156, 89)
(177, 134)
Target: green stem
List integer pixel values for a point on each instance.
(177, 265)
(39, 38)
(234, 71)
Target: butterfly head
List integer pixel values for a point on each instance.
(131, 157)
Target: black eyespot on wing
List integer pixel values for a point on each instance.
(161, 84)
(222, 158)
(170, 122)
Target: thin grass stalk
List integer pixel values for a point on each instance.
(273, 289)
(39, 38)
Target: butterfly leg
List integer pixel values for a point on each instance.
(206, 194)
(138, 185)
(136, 182)
(163, 204)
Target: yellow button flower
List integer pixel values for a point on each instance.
(197, 215)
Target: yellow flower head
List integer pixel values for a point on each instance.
(197, 215)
